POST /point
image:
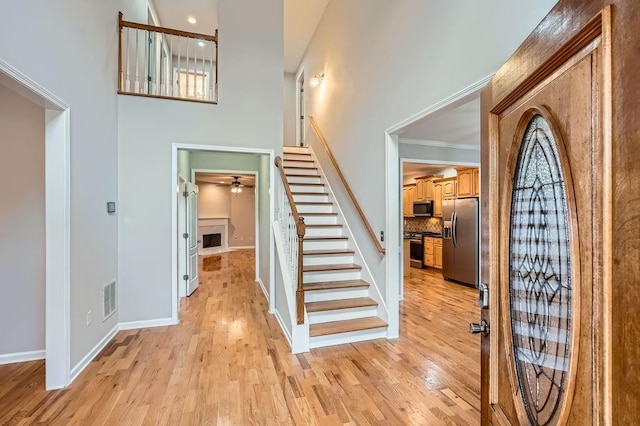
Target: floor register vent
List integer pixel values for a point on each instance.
(109, 300)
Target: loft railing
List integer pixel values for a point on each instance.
(293, 229)
(160, 62)
(366, 223)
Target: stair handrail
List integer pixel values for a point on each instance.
(295, 241)
(367, 225)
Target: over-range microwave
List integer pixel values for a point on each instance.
(423, 208)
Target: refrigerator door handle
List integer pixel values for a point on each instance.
(454, 228)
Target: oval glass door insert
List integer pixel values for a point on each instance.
(540, 274)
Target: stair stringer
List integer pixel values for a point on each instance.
(298, 336)
(374, 291)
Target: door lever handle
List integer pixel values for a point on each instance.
(475, 328)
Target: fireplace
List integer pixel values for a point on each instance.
(212, 235)
(211, 240)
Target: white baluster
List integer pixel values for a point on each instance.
(127, 84)
(204, 92)
(136, 86)
(179, 63)
(186, 94)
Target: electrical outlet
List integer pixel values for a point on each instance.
(89, 318)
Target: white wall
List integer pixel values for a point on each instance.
(213, 201)
(70, 48)
(289, 109)
(385, 61)
(242, 226)
(22, 224)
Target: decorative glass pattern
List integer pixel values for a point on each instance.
(540, 274)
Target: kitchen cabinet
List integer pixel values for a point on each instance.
(437, 253)
(437, 200)
(467, 184)
(406, 256)
(429, 251)
(408, 197)
(448, 188)
(420, 183)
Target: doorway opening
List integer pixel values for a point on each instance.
(300, 109)
(41, 209)
(222, 203)
(433, 217)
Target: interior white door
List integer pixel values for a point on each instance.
(191, 204)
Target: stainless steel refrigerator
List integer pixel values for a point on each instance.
(460, 240)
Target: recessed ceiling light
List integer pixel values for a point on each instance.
(202, 44)
(191, 20)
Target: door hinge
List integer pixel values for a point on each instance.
(185, 235)
(185, 194)
(185, 277)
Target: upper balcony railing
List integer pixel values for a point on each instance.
(164, 63)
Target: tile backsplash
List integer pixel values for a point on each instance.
(423, 224)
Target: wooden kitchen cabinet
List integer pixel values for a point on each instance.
(420, 189)
(429, 251)
(437, 200)
(437, 253)
(467, 184)
(406, 255)
(428, 189)
(408, 197)
(448, 188)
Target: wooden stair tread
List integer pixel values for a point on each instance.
(336, 327)
(333, 285)
(301, 167)
(333, 305)
(324, 238)
(319, 214)
(305, 176)
(325, 268)
(326, 252)
(302, 160)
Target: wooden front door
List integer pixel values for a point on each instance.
(544, 133)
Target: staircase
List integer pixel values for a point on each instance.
(338, 301)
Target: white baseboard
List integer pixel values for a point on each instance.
(84, 362)
(287, 336)
(232, 248)
(264, 289)
(134, 325)
(22, 357)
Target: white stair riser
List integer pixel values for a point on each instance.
(323, 277)
(334, 294)
(295, 163)
(307, 188)
(315, 208)
(351, 337)
(321, 220)
(324, 232)
(292, 157)
(335, 259)
(305, 171)
(319, 198)
(293, 180)
(295, 150)
(325, 245)
(342, 314)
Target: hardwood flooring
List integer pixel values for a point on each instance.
(228, 363)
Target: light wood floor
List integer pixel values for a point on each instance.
(228, 363)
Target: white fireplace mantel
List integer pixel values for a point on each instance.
(213, 226)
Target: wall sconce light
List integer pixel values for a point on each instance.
(317, 80)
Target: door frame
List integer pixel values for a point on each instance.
(393, 197)
(174, 215)
(57, 147)
(182, 255)
(300, 122)
(256, 209)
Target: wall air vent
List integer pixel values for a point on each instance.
(108, 300)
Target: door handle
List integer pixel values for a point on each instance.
(454, 228)
(476, 328)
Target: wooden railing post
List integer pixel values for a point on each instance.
(301, 230)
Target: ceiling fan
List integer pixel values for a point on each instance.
(236, 186)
